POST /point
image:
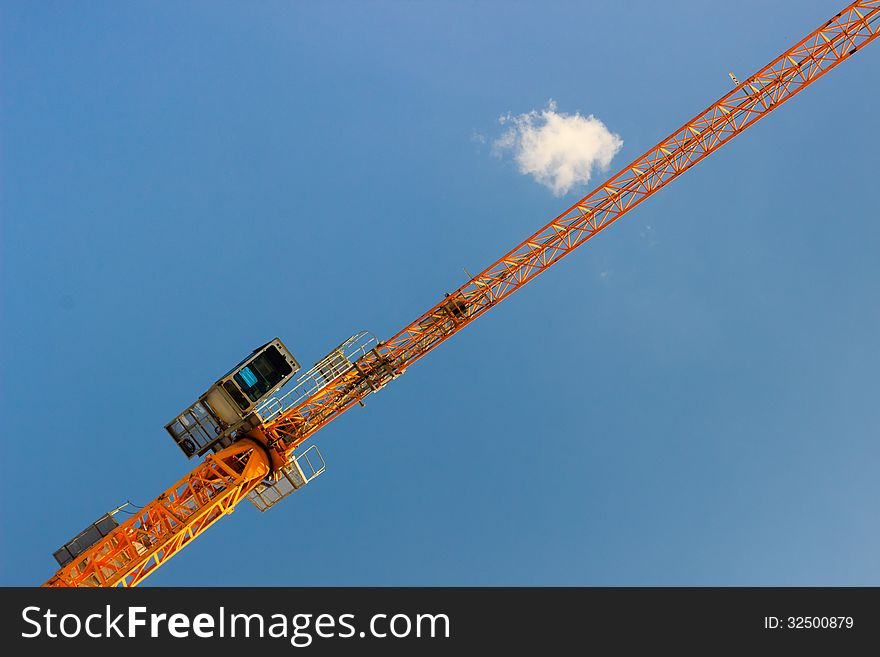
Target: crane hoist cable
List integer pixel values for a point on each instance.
(134, 549)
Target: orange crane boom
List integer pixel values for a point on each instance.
(136, 548)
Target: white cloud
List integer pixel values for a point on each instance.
(558, 150)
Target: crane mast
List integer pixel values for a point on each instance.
(140, 545)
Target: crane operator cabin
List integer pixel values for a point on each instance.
(211, 422)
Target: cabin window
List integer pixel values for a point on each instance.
(263, 373)
(236, 395)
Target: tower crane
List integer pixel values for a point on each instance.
(251, 423)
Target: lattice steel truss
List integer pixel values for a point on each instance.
(141, 544)
(169, 523)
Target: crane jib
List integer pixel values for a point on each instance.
(748, 102)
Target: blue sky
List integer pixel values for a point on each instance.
(688, 400)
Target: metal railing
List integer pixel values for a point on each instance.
(293, 476)
(337, 362)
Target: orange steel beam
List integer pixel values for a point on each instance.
(138, 546)
(164, 527)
